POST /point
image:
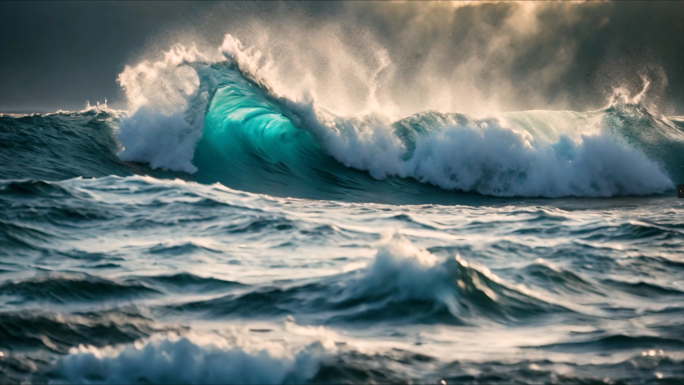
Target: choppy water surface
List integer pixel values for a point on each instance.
(140, 279)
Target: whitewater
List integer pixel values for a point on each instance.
(235, 226)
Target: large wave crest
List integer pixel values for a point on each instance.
(229, 120)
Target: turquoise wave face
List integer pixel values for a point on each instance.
(247, 138)
(248, 143)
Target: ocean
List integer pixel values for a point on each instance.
(251, 238)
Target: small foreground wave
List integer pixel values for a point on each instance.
(185, 360)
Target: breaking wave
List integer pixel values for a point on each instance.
(234, 128)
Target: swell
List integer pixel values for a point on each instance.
(69, 288)
(60, 332)
(65, 145)
(59, 146)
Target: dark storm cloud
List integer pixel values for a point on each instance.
(567, 55)
(521, 55)
(60, 54)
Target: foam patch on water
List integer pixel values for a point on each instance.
(163, 141)
(186, 360)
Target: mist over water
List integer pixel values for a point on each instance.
(308, 200)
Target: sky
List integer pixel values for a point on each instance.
(461, 56)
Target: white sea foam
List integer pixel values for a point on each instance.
(186, 360)
(491, 158)
(402, 271)
(163, 141)
(168, 107)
